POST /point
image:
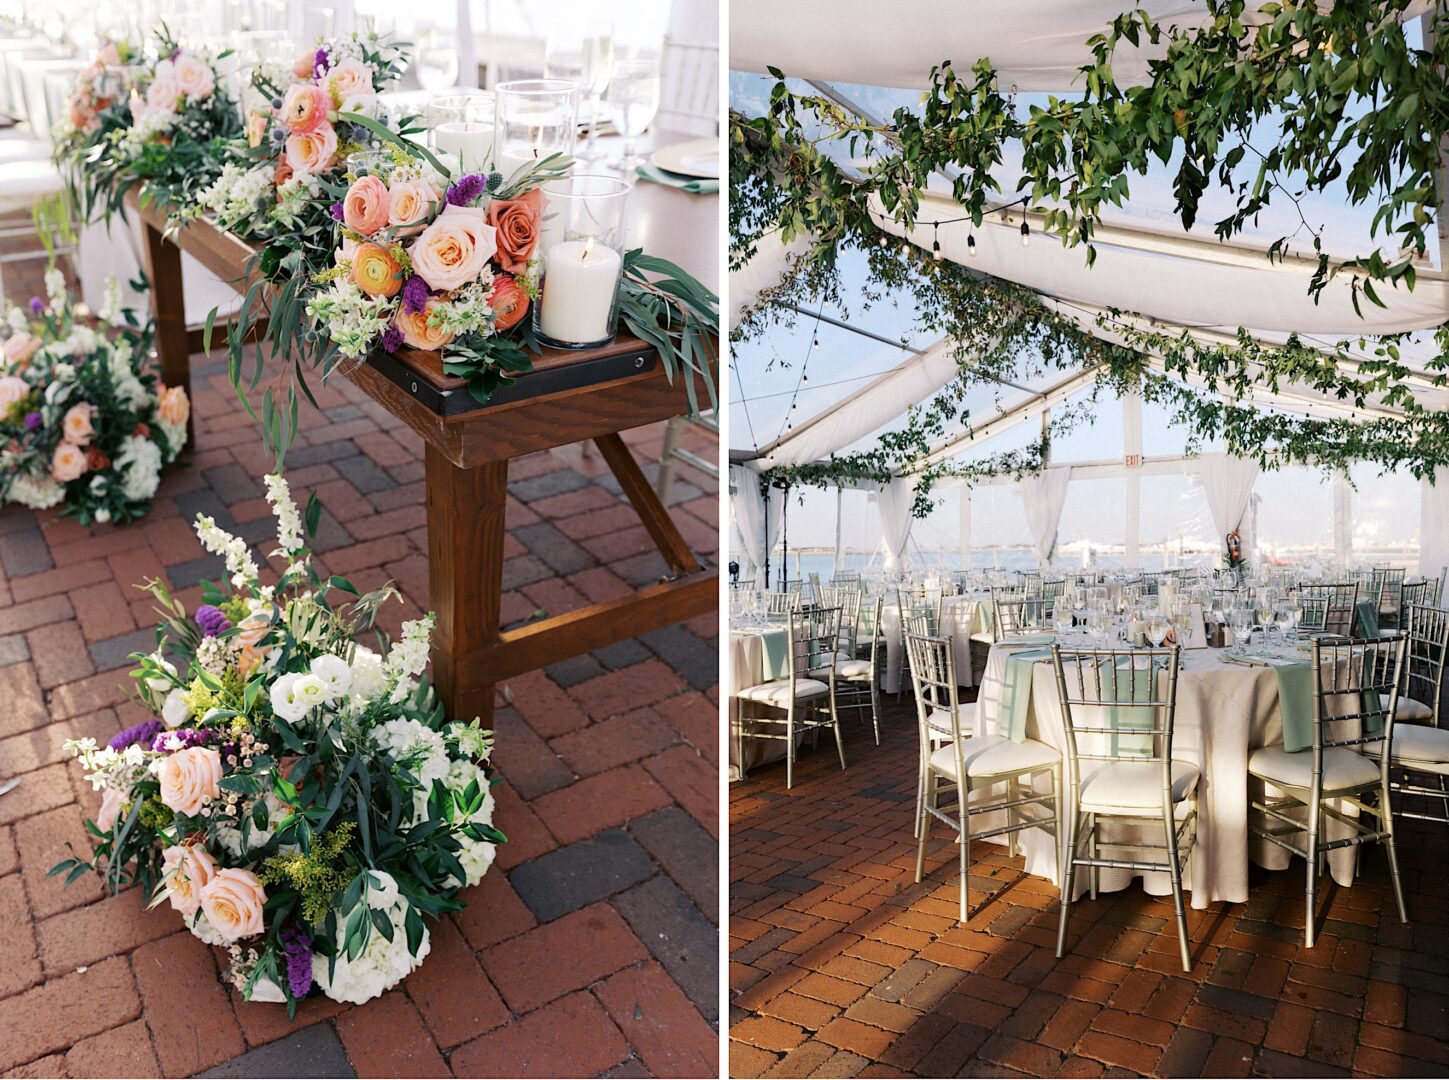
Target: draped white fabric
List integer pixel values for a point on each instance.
(1042, 498)
(893, 503)
(757, 522)
(762, 272)
(1434, 525)
(1227, 482)
(113, 251)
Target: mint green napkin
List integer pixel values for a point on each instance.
(776, 645)
(694, 185)
(1016, 692)
(1132, 719)
(1030, 639)
(1295, 704)
(1367, 620)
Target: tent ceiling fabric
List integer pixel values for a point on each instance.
(764, 271)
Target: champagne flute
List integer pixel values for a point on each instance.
(436, 55)
(1240, 618)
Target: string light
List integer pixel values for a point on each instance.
(936, 239)
(1025, 233)
(971, 245)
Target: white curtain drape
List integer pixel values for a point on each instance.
(764, 271)
(1434, 525)
(756, 522)
(893, 502)
(1227, 482)
(1042, 497)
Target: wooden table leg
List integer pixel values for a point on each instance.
(168, 305)
(465, 575)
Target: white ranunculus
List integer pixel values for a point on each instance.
(368, 679)
(310, 689)
(285, 703)
(175, 711)
(335, 673)
(264, 989)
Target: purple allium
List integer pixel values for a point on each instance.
(321, 61)
(211, 620)
(414, 295)
(37, 305)
(180, 739)
(465, 190)
(336, 211)
(144, 732)
(298, 947)
(32, 421)
(392, 339)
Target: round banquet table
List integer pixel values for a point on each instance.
(1224, 711)
(757, 655)
(961, 617)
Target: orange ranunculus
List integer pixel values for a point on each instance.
(375, 271)
(508, 300)
(311, 151)
(517, 223)
(365, 206)
(415, 329)
(304, 108)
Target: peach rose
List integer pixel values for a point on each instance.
(109, 55)
(349, 79)
(164, 91)
(67, 463)
(311, 151)
(417, 333)
(188, 870)
(173, 407)
(12, 389)
(365, 206)
(304, 108)
(453, 250)
(517, 223)
(21, 347)
(189, 778)
(375, 271)
(233, 901)
(193, 77)
(77, 424)
(110, 811)
(409, 202)
(508, 301)
(305, 66)
(257, 124)
(249, 634)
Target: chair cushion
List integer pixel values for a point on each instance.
(1409, 709)
(777, 691)
(1416, 743)
(985, 636)
(846, 669)
(1132, 787)
(994, 755)
(1342, 768)
(939, 720)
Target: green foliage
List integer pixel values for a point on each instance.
(318, 875)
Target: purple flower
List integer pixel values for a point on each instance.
(298, 947)
(392, 339)
(211, 620)
(37, 305)
(336, 211)
(321, 61)
(32, 421)
(414, 295)
(180, 739)
(145, 731)
(466, 190)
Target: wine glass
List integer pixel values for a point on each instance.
(436, 55)
(584, 56)
(633, 99)
(1157, 628)
(1240, 618)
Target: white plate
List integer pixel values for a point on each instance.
(698, 157)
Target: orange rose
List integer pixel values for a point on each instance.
(517, 223)
(311, 151)
(96, 459)
(173, 408)
(508, 300)
(365, 206)
(409, 202)
(415, 329)
(452, 251)
(375, 271)
(232, 901)
(188, 870)
(304, 108)
(189, 778)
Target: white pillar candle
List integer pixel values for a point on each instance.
(581, 279)
(469, 142)
(510, 162)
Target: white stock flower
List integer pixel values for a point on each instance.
(111, 302)
(289, 520)
(175, 711)
(239, 562)
(334, 672)
(55, 287)
(408, 658)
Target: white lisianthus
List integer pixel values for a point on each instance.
(368, 678)
(334, 672)
(284, 702)
(162, 685)
(311, 690)
(264, 989)
(175, 711)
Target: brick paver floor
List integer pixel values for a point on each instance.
(590, 948)
(840, 965)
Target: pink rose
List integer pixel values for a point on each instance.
(67, 463)
(77, 424)
(311, 151)
(189, 778)
(193, 77)
(109, 55)
(303, 67)
(233, 901)
(188, 870)
(110, 811)
(409, 202)
(517, 221)
(454, 249)
(365, 206)
(304, 108)
(256, 127)
(12, 389)
(164, 91)
(21, 347)
(349, 79)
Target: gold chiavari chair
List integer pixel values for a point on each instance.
(1420, 749)
(1342, 603)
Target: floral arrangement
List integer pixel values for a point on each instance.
(166, 134)
(297, 797)
(83, 422)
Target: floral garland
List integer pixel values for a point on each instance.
(83, 423)
(297, 797)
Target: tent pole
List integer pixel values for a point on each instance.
(1132, 449)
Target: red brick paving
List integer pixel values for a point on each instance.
(550, 970)
(840, 965)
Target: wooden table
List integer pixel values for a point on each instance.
(569, 397)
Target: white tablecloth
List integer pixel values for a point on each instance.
(1224, 711)
(962, 616)
(752, 663)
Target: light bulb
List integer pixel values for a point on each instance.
(1025, 233)
(971, 245)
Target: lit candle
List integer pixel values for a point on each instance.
(581, 280)
(470, 142)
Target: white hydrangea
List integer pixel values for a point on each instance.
(82, 341)
(380, 966)
(475, 855)
(382, 890)
(127, 387)
(351, 319)
(368, 677)
(38, 491)
(408, 658)
(239, 562)
(202, 928)
(139, 464)
(415, 746)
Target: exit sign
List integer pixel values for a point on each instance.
(1133, 460)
